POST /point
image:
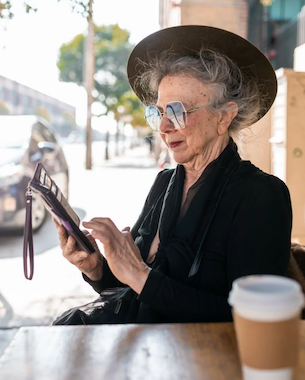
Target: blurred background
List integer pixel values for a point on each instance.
(65, 100)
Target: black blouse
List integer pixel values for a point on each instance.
(250, 234)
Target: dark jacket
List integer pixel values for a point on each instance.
(249, 234)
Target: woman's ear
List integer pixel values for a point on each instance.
(226, 117)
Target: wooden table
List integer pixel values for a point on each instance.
(127, 352)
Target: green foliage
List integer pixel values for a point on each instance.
(6, 10)
(78, 6)
(111, 49)
(70, 62)
(130, 105)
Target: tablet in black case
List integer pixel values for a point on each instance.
(54, 201)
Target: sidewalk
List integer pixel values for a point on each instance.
(116, 189)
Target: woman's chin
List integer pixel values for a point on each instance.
(179, 158)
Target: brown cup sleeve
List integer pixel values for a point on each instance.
(267, 345)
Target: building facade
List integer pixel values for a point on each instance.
(18, 99)
(276, 29)
(276, 143)
(230, 15)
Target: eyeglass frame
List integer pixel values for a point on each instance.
(185, 111)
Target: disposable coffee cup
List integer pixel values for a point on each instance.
(266, 313)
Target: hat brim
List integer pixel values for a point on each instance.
(189, 39)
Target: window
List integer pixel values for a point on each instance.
(284, 10)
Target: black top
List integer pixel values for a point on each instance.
(250, 234)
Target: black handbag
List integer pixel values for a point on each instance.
(111, 307)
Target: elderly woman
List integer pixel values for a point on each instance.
(214, 217)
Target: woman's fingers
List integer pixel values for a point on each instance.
(89, 264)
(122, 254)
(103, 229)
(55, 222)
(69, 247)
(107, 232)
(82, 260)
(63, 236)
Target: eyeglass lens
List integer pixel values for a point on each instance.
(153, 117)
(175, 112)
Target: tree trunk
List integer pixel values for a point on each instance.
(117, 138)
(123, 138)
(89, 67)
(107, 146)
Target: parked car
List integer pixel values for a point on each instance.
(24, 141)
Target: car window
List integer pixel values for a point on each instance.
(39, 133)
(45, 132)
(34, 151)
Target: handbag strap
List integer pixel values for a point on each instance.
(199, 255)
(28, 250)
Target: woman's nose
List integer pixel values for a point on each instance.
(166, 125)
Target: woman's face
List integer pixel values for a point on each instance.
(194, 144)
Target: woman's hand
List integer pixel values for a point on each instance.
(122, 254)
(90, 264)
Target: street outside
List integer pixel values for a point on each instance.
(117, 189)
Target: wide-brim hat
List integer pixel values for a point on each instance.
(188, 40)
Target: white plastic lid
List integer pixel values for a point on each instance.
(266, 293)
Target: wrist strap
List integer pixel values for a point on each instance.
(28, 251)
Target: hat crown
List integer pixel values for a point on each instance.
(189, 40)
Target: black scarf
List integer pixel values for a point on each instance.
(183, 237)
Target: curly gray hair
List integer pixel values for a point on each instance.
(226, 82)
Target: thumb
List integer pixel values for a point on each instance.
(91, 239)
(126, 229)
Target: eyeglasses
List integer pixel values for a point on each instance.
(174, 111)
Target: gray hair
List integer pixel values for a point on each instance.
(226, 81)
